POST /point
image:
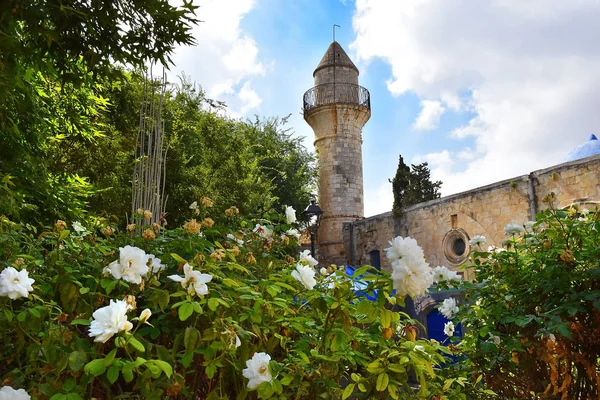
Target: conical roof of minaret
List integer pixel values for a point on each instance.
(335, 55)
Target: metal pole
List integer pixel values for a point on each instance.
(312, 244)
(334, 25)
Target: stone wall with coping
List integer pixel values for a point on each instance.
(481, 211)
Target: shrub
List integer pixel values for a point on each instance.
(203, 311)
(532, 316)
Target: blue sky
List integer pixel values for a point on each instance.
(483, 91)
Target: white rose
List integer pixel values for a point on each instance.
(155, 264)
(307, 259)
(290, 214)
(449, 308)
(294, 233)
(263, 231)
(477, 240)
(443, 274)
(77, 226)
(109, 321)
(411, 279)
(449, 328)
(131, 266)
(513, 229)
(193, 281)
(257, 370)
(8, 393)
(15, 284)
(305, 275)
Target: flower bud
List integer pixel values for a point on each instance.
(60, 225)
(130, 300)
(149, 234)
(109, 230)
(387, 332)
(208, 222)
(192, 226)
(145, 315)
(206, 202)
(130, 227)
(147, 214)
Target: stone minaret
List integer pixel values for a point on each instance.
(337, 108)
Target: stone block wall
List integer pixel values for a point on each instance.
(342, 74)
(440, 225)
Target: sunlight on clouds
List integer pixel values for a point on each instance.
(225, 59)
(429, 117)
(531, 70)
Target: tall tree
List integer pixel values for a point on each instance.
(55, 58)
(400, 183)
(413, 186)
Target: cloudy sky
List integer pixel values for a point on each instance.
(482, 90)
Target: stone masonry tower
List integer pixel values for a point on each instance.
(337, 108)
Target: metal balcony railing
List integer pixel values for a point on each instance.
(336, 93)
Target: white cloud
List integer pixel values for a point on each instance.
(249, 98)
(440, 160)
(530, 71)
(225, 59)
(429, 117)
(380, 200)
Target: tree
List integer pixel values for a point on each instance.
(413, 186)
(56, 58)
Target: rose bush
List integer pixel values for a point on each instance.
(229, 311)
(532, 316)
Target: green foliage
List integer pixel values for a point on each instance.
(325, 342)
(55, 58)
(413, 186)
(532, 315)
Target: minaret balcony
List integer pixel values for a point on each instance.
(336, 93)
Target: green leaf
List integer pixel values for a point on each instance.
(84, 290)
(80, 322)
(191, 339)
(77, 360)
(110, 357)
(382, 382)
(136, 344)
(213, 304)
(9, 315)
(178, 258)
(185, 311)
(287, 379)
(22, 316)
(73, 396)
(164, 366)
(113, 374)
(127, 372)
(95, 367)
(68, 385)
(59, 396)
(386, 318)
(348, 391)
(303, 357)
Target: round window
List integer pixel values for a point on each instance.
(456, 246)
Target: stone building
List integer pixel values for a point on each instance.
(337, 108)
